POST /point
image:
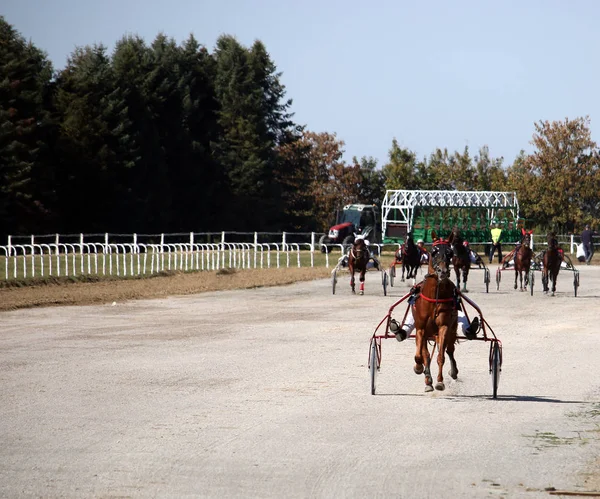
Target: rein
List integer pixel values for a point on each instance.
(436, 300)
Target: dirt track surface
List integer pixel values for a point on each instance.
(265, 393)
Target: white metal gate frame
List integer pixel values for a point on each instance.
(404, 202)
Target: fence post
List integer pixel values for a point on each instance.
(162, 252)
(81, 250)
(255, 247)
(223, 249)
(572, 243)
(9, 249)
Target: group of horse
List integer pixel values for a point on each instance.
(411, 258)
(523, 258)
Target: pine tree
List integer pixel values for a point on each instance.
(25, 78)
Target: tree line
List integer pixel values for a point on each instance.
(164, 137)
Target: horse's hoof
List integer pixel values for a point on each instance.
(428, 388)
(418, 369)
(440, 386)
(515, 286)
(453, 374)
(361, 292)
(465, 290)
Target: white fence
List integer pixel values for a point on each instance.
(137, 255)
(128, 255)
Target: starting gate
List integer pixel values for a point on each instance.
(420, 212)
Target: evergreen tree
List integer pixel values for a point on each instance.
(91, 152)
(25, 75)
(253, 120)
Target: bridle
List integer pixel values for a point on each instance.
(441, 252)
(358, 250)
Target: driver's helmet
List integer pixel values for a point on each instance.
(420, 241)
(465, 243)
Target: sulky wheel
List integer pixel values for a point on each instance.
(486, 279)
(498, 279)
(373, 364)
(392, 275)
(495, 367)
(384, 281)
(333, 280)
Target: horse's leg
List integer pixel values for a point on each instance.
(520, 274)
(362, 281)
(427, 370)
(465, 277)
(419, 341)
(441, 342)
(545, 279)
(554, 277)
(453, 372)
(423, 360)
(352, 280)
(516, 276)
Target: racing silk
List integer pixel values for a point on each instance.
(496, 234)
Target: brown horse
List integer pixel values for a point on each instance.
(552, 260)
(522, 259)
(411, 258)
(436, 315)
(358, 258)
(461, 261)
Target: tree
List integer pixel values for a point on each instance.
(253, 119)
(26, 75)
(321, 181)
(561, 178)
(489, 173)
(91, 148)
(400, 170)
(372, 181)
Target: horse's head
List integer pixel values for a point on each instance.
(441, 258)
(360, 250)
(552, 241)
(526, 240)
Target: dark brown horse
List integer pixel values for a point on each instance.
(522, 259)
(461, 261)
(436, 315)
(358, 258)
(552, 260)
(411, 258)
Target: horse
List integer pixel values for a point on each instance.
(461, 261)
(552, 260)
(522, 261)
(436, 315)
(358, 258)
(411, 258)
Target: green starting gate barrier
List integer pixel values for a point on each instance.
(473, 212)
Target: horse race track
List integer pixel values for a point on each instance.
(265, 393)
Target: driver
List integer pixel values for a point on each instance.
(376, 263)
(401, 333)
(424, 253)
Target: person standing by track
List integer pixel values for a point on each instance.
(496, 242)
(588, 246)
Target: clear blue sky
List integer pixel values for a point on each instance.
(436, 73)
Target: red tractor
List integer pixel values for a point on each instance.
(354, 219)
